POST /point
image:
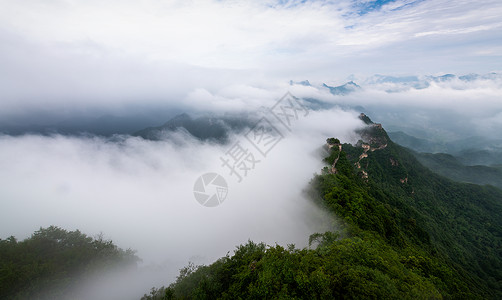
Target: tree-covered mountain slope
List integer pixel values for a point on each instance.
(203, 127)
(53, 261)
(449, 166)
(468, 151)
(408, 234)
(462, 221)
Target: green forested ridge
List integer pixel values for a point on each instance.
(469, 151)
(449, 166)
(52, 261)
(407, 234)
(404, 233)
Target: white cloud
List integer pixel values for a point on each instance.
(140, 193)
(103, 54)
(460, 30)
(217, 56)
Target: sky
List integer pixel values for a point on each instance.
(81, 53)
(61, 60)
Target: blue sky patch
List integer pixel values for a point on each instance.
(362, 8)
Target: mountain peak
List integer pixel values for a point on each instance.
(343, 89)
(182, 116)
(304, 83)
(363, 117)
(202, 127)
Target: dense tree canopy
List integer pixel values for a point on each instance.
(49, 263)
(406, 233)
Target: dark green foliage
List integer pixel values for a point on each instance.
(333, 141)
(50, 262)
(457, 222)
(365, 119)
(332, 157)
(407, 234)
(349, 268)
(203, 128)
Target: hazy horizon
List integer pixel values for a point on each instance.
(97, 68)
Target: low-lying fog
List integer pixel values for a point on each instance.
(139, 193)
(121, 66)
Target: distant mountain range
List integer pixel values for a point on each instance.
(424, 81)
(449, 166)
(340, 90)
(475, 159)
(97, 122)
(396, 83)
(471, 151)
(139, 118)
(343, 89)
(203, 128)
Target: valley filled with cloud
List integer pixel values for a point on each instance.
(79, 79)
